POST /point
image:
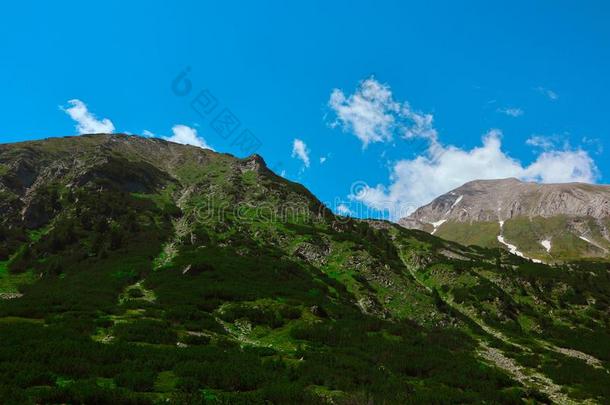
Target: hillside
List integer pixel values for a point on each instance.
(134, 270)
(548, 222)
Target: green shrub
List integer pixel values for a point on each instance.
(145, 330)
(136, 380)
(135, 293)
(196, 339)
(259, 315)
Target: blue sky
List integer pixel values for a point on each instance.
(402, 100)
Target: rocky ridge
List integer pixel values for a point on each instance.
(577, 209)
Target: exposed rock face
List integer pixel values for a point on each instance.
(412, 223)
(254, 163)
(500, 200)
(314, 254)
(541, 222)
(130, 164)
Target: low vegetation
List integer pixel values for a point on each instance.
(127, 293)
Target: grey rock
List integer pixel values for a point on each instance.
(495, 200)
(313, 254)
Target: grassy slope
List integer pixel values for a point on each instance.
(527, 234)
(479, 234)
(287, 311)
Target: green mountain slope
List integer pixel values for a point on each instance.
(135, 270)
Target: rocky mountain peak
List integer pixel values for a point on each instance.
(503, 199)
(253, 162)
(546, 221)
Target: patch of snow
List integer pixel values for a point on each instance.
(512, 248)
(437, 224)
(587, 240)
(457, 201)
(547, 245)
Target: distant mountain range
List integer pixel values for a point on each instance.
(547, 222)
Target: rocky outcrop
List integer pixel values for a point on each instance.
(500, 200)
(412, 223)
(313, 254)
(254, 163)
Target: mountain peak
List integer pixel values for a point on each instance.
(502, 199)
(583, 209)
(256, 158)
(486, 182)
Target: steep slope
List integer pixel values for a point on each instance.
(140, 271)
(547, 222)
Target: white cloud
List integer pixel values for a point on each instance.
(147, 133)
(86, 122)
(442, 168)
(322, 160)
(300, 151)
(187, 136)
(546, 142)
(562, 166)
(372, 114)
(511, 112)
(561, 142)
(549, 93)
(343, 209)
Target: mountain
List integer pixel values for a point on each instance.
(548, 222)
(135, 270)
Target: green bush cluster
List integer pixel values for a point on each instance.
(82, 333)
(145, 330)
(272, 316)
